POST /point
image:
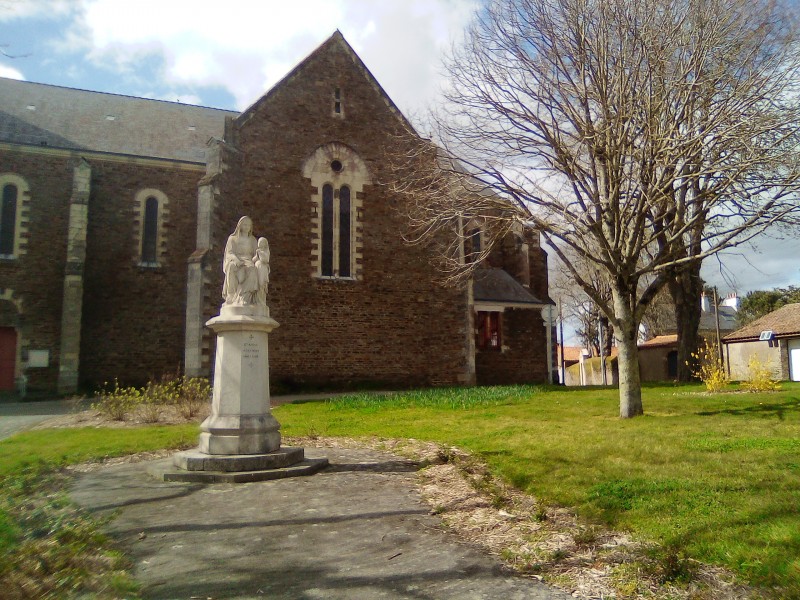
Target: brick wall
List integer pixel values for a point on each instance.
(395, 326)
(37, 277)
(133, 317)
(524, 347)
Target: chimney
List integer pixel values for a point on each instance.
(732, 301)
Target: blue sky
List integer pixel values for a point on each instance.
(223, 54)
(227, 54)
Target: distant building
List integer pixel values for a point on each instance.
(658, 356)
(774, 340)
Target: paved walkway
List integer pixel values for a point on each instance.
(19, 416)
(358, 530)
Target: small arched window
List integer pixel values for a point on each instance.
(151, 209)
(8, 219)
(150, 231)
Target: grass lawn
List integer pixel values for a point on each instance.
(49, 549)
(714, 476)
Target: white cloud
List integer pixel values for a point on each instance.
(249, 45)
(11, 72)
(25, 9)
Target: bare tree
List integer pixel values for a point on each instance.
(581, 309)
(642, 135)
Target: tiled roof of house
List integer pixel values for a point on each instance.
(783, 322)
(571, 353)
(495, 285)
(660, 340)
(52, 116)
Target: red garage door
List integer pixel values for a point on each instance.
(8, 356)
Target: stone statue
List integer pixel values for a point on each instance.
(261, 260)
(241, 286)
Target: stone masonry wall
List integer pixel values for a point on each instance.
(36, 277)
(394, 327)
(133, 320)
(522, 359)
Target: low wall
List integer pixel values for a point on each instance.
(592, 372)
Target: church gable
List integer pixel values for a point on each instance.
(333, 57)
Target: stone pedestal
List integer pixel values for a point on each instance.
(240, 441)
(240, 420)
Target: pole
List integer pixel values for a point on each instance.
(547, 315)
(561, 327)
(716, 314)
(602, 350)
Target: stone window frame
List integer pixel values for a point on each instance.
(471, 230)
(139, 208)
(489, 330)
(337, 106)
(21, 216)
(352, 173)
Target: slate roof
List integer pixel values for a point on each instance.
(495, 285)
(727, 319)
(59, 117)
(784, 322)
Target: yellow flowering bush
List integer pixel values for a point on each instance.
(710, 369)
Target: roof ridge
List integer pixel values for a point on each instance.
(86, 91)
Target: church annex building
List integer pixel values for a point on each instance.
(116, 209)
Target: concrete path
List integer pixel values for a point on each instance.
(19, 416)
(358, 530)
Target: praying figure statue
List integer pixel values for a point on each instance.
(242, 285)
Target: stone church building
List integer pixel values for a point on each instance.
(115, 211)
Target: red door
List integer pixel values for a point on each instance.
(8, 356)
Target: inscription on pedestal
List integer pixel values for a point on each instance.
(251, 352)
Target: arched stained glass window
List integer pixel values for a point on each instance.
(150, 231)
(8, 219)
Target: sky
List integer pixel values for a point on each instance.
(227, 54)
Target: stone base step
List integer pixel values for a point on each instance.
(194, 460)
(195, 467)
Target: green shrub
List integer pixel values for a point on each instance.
(117, 402)
(193, 394)
(187, 394)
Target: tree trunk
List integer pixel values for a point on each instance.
(686, 289)
(626, 332)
